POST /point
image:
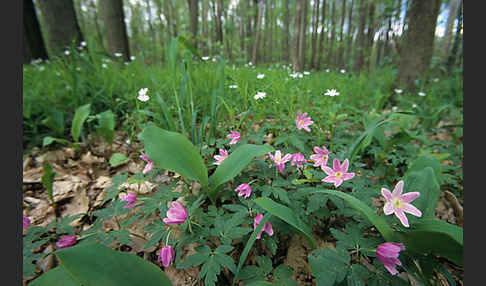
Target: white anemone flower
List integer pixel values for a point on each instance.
(259, 95)
(205, 58)
(132, 58)
(260, 76)
(421, 93)
(332, 92)
(414, 105)
(399, 91)
(118, 55)
(66, 52)
(233, 86)
(142, 95)
(343, 71)
(103, 65)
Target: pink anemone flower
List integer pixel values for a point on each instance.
(243, 189)
(66, 241)
(302, 121)
(149, 165)
(223, 154)
(297, 159)
(166, 255)
(321, 156)
(339, 174)
(130, 198)
(177, 214)
(235, 136)
(399, 203)
(388, 253)
(267, 227)
(279, 161)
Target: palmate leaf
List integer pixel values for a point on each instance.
(236, 162)
(98, 265)
(329, 266)
(58, 276)
(174, 152)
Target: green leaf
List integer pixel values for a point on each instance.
(106, 125)
(224, 248)
(249, 245)
(95, 264)
(283, 275)
(174, 152)
(235, 163)
(58, 276)
(163, 107)
(210, 270)
(379, 222)
(117, 159)
(259, 283)
(48, 179)
(287, 215)
(357, 275)
(48, 140)
(80, 115)
(329, 266)
(425, 183)
(265, 263)
(437, 237)
(423, 162)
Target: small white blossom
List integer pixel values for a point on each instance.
(259, 95)
(260, 76)
(343, 71)
(436, 79)
(66, 52)
(83, 44)
(118, 55)
(103, 65)
(205, 58)
(233, 86)
(328, 70)
(394, 108)
(414, 105)
(332, 92)
(41, 68)
(142, 95)
(78, 68)
(132, 58)
(58, 73)
(214, 60)
(306, 73)
(398, 90)
(421, 93)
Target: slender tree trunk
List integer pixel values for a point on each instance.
(228, 35)
(242, 35)
(266, 34)
(350, 32)
(341, 36)
(115, 29)
(296, 36)
(386, 48)
(34, 47)
(254, 57)
(204, 42)
(453, 6)
(249, 42)
(303, 32)
(286, 36)
(219, 25)
(330, 59)
(370, 35)
(418, 43)
(379, 49)
(360, 39)
(315, 24)
(455, 46)
(96, 21)
(321, 38)
(161, 29)
(171, 14)
(61, 24)
(151, 27)
(193, 20)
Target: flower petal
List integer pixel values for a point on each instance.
(408, 208)
(386, 193)
(408, 197)
(328, 170)
(402, 217)
(388, 209)
(344, 166)
(397, 191)
(347, 176)
(336, 165)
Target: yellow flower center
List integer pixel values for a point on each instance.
(338, 174)
(301, 122)
(398, 203)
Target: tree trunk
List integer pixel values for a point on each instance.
(360, 39)
(254, 57)
(321, 38)
(341, 37)
(330, 59)
(296, 36)
(248, 28)
(193, 20)
(315, 24)
(303, 32)
(61, 24)
(453, 6)
(350, 31)
(161, 29)
(115, 29)
(205, 40)
(386, 47)
(219, 25)
(34, 47)
(453, 55)
(286, 36)
(370, 35)
(151, 27)
(419, 42)
(266, 34)
(96, 21)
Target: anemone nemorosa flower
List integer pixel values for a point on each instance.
(321, 156)
(387, 253)
(234, 136)
(267, 227)
(142, 95)
(166, 255)
(149, 165)
(25, 222)
(302, 121)
(280, 161)
(339, 174)
(66, 241)
(130, 198)
(399, 204)
(297, 159)
(223, 154)
(177, 214)
(244, 190)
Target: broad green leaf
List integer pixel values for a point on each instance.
(423, 162)
(80, 115)
(117, 159)
(425, 183)
(259, 283)
(48, 179)
(235, 163)
(58, 276)
(377, 221)
(98, 265)
(287, 215)
(106, 125)
(437, 237)
(249, 245)
(174, 152)
(48, 140)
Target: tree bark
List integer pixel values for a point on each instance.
(96, 21)
(115, 29)
(315, 24)
(193, 20)
(350, 31)
(205, 40)
(303, 32)
(286, 36)
(254, 57)
(360, 39)
(321, 38)
(151, 27)
(219, 25)
(249, 33)
(296, 36)
(61, 24)
(418, 43)
(455, 46)
(330, 54)
(453, 6)
(34, 47)
(370, 35)
(341, 36)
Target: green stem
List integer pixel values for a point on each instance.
(167, 239)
